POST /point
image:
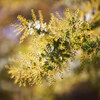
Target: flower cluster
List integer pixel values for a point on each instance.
(36, 26)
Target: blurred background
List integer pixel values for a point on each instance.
(9, 10)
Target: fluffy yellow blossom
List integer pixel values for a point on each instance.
(50, 47)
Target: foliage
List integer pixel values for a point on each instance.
(90, 11)
(75, 85)
(51, 46)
